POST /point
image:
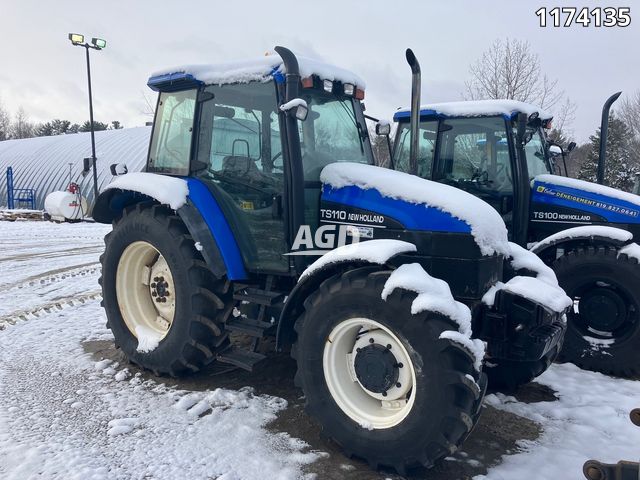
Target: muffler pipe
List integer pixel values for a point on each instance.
(415, 111)
(604, 131)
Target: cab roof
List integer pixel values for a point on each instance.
(258, 69)
(477, 108)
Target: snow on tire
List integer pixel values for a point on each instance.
(165, 308)
(380, 380)
(603, 328)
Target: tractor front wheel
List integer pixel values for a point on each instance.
(379, 380)
(603, 329)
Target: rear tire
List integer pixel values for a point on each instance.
(607, 288)
(190, 335)
(427, 422)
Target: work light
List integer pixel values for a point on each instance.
(99, 43)
(327, 85)
(349, 88)
(76, 38)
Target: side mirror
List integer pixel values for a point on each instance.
(571, 146)
(383, 128)
(118, 169)
(296, 107)
(555, 150)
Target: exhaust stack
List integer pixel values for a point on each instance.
(415, 111)
(604, 130)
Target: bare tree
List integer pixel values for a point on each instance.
(630, 115)
(510, 69)
(148, 105)
(5, 123)
(22, 127)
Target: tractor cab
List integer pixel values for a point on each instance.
(472, 146)
(259, 142)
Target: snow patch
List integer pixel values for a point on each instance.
(587, 231)
(148, 340)
(171, 191)
(479, 108)
(535, 290)
(487, 227)
(632, 250)
(588, 187)
(372, 251)
(435, 295)
(260, 69)
(522, 258)
(296, 102)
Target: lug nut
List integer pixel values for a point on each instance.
(388, 346)
(399, 365)
(398, 385)
(166, 285)
(154, 293)
(153, 285)
(158, 299)
(371, 340)
(156, 279)
(384, 394)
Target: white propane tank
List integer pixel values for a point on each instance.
(62, 206)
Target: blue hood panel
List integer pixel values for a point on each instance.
(412, 216)
(614, 210)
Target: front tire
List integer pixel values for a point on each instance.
(603, 327)
(164, 306)
(379, 380)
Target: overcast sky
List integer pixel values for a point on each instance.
(41, 71)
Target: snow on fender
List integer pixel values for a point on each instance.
(168, 190)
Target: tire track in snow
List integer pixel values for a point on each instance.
(51, 276)
(57, 305)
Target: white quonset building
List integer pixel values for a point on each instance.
(42, 163)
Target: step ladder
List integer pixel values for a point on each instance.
(270, 304)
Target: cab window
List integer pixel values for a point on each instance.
(535, 152)
(171, 142)
(426, 148)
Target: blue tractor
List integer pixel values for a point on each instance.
(498, 151)
(256, 169)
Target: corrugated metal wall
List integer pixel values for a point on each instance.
(43, 163)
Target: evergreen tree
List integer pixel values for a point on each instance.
(620, 167)
(97, 126)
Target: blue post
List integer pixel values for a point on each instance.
(10, 203)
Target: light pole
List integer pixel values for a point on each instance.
(96, 44)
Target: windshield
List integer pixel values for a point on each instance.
(332, 132)
(426, 147)
(535, 153)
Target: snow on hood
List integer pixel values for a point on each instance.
(487, 227)
(260, 69)
(588, 187)
(167, 190)
(479, 108)
(372, 251)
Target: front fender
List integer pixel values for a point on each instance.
(590, 235)
(372, 252)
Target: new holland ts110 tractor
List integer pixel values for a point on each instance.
(497, 150)
(255, 170)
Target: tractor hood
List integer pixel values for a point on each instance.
(381, 198)
(585, 201)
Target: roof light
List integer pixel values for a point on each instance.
(76, 38)
(359, 94)
(327, 85)
(99, 43)
(349, 89)
(307, 82)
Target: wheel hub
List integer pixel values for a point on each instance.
(376, 368)
(603, 309)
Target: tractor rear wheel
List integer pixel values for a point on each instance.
(379, 380)
(164, 306)
(603, 330)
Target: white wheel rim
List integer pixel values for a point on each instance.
(142, 277)
(369, 409)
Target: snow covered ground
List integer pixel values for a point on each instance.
(67, 413)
